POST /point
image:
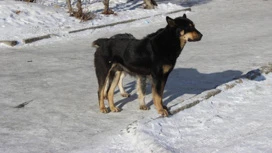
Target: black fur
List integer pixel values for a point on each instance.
(154, 55)
(118, 36)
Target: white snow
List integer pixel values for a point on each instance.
(56, 76)
(20, 20)
(237, 120)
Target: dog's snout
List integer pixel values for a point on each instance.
(200, 36)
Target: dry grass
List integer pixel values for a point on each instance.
(185, 107)
(266, 69)
(212, 93)
(230, 86)
(239, 81)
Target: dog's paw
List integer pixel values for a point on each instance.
(163, 112)
(115, 109)
(143, 107)
(125, 94)
(104, 110)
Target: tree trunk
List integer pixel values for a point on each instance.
(107, 10)
(150, 4)
(68, 2)
(79, 11)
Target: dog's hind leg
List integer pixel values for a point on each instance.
(141, 89)
(102, 107)
(106, 88)
(120, 85)
(116, 77)
(101, 69)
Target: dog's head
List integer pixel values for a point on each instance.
(184, 28)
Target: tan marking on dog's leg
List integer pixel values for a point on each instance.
(157, 99)
(107, 82)
(102, 107)
(111, 92)
(141, 96)
(166, 68)
(120, 85)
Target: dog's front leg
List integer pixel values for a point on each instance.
(158, 84)
(141, 89)
(159, 79)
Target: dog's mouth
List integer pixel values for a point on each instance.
(190, 40)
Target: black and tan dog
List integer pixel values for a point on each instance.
(154, 56)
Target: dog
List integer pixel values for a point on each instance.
(154, 56)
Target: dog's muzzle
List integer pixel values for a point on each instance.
(196, 36)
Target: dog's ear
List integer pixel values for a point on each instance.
(184, 15)
(170, 21)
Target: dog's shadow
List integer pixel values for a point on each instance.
(184, 81)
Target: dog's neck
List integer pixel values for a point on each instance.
(170, 41)
(182, 42)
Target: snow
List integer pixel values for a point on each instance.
(56, 76)
(237, 120)
(23, 20)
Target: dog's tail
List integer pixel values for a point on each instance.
(98, 42)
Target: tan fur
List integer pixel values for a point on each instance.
(102, 107)
(182, 39)
(190, 35)
(120, 85)
(103, 93)
(157, 99)
(185, 37)
(111, 92)
(166, 68)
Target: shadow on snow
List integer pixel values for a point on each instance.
(184, 81)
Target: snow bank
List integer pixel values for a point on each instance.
(236, 120)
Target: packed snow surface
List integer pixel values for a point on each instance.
(55, 78)
(20, 20)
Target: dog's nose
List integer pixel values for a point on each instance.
(200, 36)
